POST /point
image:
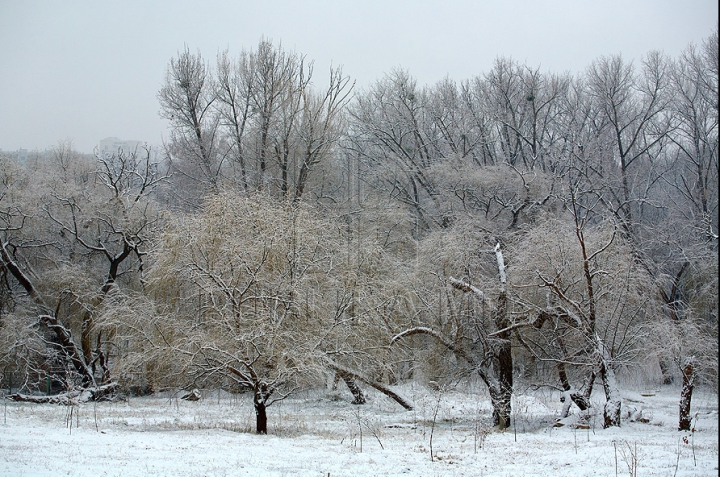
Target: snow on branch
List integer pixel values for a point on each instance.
(466, 287)
(429, 331)
(501, 264)
(533, 321)
(19, 275)
(579, 316)
(77, 396)
(371, 382)
(68, 346)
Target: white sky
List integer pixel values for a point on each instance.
(85, 70)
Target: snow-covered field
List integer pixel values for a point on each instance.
(321, 434)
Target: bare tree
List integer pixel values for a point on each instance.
(241, 289)
(320, 126)
(590, 293)
(234, 98)
(633, 107)
(45, 291)
(276, 126)
(47, 316)
(525, 106)
(392, 132)
(113, 220)
(474, 330)
(694, 106)
(276, 74)
(186, 100)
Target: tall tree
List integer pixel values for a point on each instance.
(475, 327)
(186, 100)
(690, 196)
(48, 287)
(321, 125)
(392, 132)
(276, 78)
(583, 281)
(634, 108)
(234, 104)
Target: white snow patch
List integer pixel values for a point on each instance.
(315, 434)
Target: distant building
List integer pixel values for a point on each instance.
(112, 145)
(20, 155)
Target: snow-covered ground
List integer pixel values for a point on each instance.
(321, 434)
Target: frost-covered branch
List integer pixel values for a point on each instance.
(439, 337)
(371, 382)
(466, 287)
(501, 266)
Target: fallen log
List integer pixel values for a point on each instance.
(370, 382)
(193, 395)
(70, 398)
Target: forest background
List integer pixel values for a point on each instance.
(523, 228)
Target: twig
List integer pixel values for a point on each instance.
(616, 460)
(432, 429)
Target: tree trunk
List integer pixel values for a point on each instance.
(74, 397)
(502, 403)
(302, 178)
(63, 334)
(379, 386)
(501, 400)
(86, 338)
(611, 412)
(261, 418)
(260, 401)
(359, 397)
(671, 300)
(580, 397)
(66, 343)
(667, 377)
(688, 372)
(501, 390)
(101, 359)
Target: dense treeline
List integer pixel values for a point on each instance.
(520, 227)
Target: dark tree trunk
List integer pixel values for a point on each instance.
(261, 418)
(667, 377)
(302, 178)
(686, 396)
(672, 300)
(372, 383)
(66, 343)
(101, 359)
(500, 348)
(263, 142)
(260, 397)
(562, 374)
(359, 397)
(580, 397)
(502, 402)
(86, 339)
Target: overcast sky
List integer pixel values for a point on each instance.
(85, 70)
